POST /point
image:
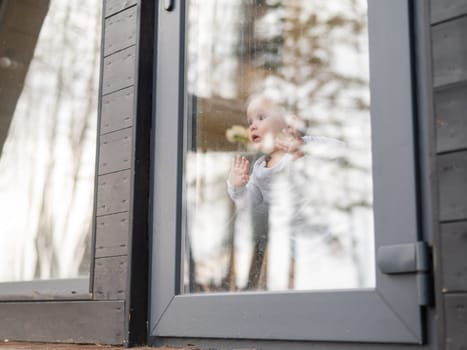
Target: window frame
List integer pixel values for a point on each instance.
(389, 313)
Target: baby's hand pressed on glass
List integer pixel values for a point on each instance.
(290, 141)
(239, 173)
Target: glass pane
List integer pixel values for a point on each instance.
(49, 74)
(277, 176)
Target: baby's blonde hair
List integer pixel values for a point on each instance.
(289, 117)
(275, 102)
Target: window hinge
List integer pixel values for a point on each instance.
(409, 258)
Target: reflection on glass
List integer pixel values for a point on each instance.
(48, 111)
(277, 174)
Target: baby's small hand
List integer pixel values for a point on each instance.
(239, 173)
(290, 141)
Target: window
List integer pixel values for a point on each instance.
(50, 53)
(305, 60)
(278, 75)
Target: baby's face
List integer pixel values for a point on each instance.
(266, 121)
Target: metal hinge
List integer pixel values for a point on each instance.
(409, 258)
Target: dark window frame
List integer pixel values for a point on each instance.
(389, 313)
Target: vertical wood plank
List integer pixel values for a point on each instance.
(110, 278)
(450, 52)
(119, 70)
(115, 151)
(117, 110)
(112, 235)
(451, 118)
(452, 174)
(456, 321)
(442, 10)
(113, 193)
(453, 256)
(120, 31)
(113, 6)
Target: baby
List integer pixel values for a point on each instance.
(262, 190)
(280, 144)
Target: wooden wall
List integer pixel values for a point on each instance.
(121, 249)
(449, 45)
(115, 160)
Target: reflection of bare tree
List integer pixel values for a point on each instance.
(50, 158)
(81, 126)
(45, 229)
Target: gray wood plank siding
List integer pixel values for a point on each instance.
(449, 29)
(110, 278)
(115, 151)
(454, 243)
(449, 52)
(451, 118)
(117, 110)
(456, 321)
(113, 193)
(120, 31)
(444, 10)
(112, 235)
(116, 159)
(69, 321)
(119, 70)
(111, 7)
(452, 174)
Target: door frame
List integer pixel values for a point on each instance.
(390, 313)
